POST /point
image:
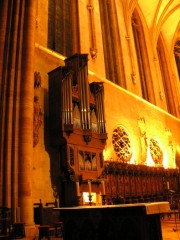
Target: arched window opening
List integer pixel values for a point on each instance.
(113, 56)
(142, 58)
(63, 33)
(168, 92)
(177, 56)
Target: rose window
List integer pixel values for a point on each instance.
(122, 144)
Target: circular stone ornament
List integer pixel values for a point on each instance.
(122, 144)
(156, 151)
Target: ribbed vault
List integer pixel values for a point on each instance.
(162, 16)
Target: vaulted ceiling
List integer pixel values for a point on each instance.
(162, 16)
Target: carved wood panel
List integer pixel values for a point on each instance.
(138, 181)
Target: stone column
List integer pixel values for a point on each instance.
(3, 23)
(26, 115)
(75, 26)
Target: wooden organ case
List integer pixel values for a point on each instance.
(77, 126)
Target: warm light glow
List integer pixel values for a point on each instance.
(165, 161)
(107, 154)
(103, 188)
(91, 73)
(149, 160)
(169, 154)
(86, 197)
(177, 156)
(133, 160)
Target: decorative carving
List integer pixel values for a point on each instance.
(87, 134)
(37, 80)
(143, 139)
(37, 120)
(71, 156)
(93, 49)
(169, 136)
(155, 151)
(131, 181)
(69, 173)
(121, 143)
(68, 128)
(161, 94)
(133, 77)
(141, 123)
(87, 161)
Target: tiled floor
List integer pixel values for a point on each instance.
(171, 227)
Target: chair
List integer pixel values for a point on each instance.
(58, 229)
(18, 230)
(44, 232)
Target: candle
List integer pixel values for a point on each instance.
(77, 189)
(89, 187)
(167, 185)
(103, 188)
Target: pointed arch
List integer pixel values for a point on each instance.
(165, 74)
(112, 43)
(142, 57)
(177, 55)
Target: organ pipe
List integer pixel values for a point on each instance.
(81, 98)
(70, 98)
(99, 96)
(67, 110)
(84, 97)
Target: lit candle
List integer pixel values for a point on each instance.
(89, 187)
(77, 189)
(167, 185)
(103, 188)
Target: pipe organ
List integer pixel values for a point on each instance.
(77, 126)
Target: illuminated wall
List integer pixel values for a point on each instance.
(153, 135)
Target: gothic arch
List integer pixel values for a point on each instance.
(177, 55)
(138, 31)
(112, 43)
(166, 76)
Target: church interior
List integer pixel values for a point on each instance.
(90, 107)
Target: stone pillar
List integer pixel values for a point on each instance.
(75, 26)
(26, 115)
(3, 23)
